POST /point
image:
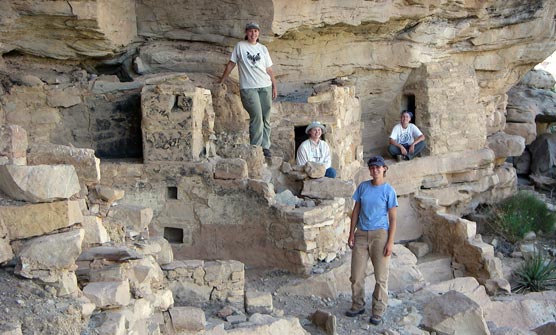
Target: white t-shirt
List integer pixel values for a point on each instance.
(308, 151)
(252, 61)
(407, 135)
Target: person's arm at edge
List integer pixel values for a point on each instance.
(392, 212)
(302, 158)
(353, 225)
(327, 160)
(274, 89)
(395, 143)
(419, 138)
(229, 67)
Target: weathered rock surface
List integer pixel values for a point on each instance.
(187, 318)
(32, 220)
(13, 145)
(65, 30)
(452, 311)
(86, 165)
(39, 183)
(522, 311)
(108, 294)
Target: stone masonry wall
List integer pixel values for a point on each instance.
(194, 282)
(450, 117)
(339, 110)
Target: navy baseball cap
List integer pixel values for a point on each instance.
(376, 161)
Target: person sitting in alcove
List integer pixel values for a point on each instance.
(315, 150)
(406, 140)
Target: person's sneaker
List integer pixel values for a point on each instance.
(267, 153)
(375, 320)
(354, 312)
(400, 158)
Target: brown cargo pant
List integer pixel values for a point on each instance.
(370, 244)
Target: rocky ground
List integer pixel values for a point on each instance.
(24, 302)
(39, 312)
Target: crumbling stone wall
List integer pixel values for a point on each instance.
(194, 282)
(450, 117)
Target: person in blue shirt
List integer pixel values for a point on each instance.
(371, 235)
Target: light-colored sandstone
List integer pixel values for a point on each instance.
(87, 165)
(185, 318)
(45, 256)
(419, 249)
(314, 170)
(39, 183)
(454, 310)
(134, 219)
(13, 144)
(109, 194)
(258, 302)
(327, 188)
(38, 219)
(232, 168)
(95, 233)
(108, 294)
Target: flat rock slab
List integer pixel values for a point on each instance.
(39, 183)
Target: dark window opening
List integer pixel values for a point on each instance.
(172, 192)
(118, 70)
(173, 235)
(116, 128)
(408, 104)
(300, 136)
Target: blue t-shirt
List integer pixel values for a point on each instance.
(375, 202)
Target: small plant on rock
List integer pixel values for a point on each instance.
(521, 213)
(535, 275)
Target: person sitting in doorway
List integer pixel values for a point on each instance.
(406, 140)
(316, 150)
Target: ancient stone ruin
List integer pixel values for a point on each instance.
(129, 192)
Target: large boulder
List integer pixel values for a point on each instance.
(454, 313)
(86, 164)
(543, 155)
(38, 219)
(39, 183)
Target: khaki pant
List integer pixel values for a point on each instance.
(258, 103)
(370, 244)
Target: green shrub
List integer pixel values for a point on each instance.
(521, 213)
(535, 275)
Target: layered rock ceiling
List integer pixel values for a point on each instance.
(376, 45)
(108, 75)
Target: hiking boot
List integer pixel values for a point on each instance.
(267, 153)
(354, 312)
(376, 320)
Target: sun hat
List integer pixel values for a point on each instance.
(315, 124)
(252, 25)
(376, 161)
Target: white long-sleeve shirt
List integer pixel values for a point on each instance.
(310, 151)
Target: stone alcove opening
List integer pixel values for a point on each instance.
(172, 192)
(173, 235)
(117, 129)
(408, 104)
(300, 136)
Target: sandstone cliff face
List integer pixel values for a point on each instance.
(378, 45)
